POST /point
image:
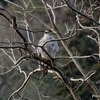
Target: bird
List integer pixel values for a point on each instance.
(47, 47)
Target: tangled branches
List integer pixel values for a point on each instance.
(20, 48)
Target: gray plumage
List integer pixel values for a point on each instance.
(51, 47)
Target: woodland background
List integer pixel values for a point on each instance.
(84, 46)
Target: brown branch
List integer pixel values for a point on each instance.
(55, 30)
(74, 9)
(64, 38)
(12, 47)
(51, 69)
(62, 78)
(13, 25)
(64, 43)
(23, 85)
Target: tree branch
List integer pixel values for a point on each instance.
(73, 8)
(64, 43)
(14, 25)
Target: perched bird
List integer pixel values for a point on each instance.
(47, 47)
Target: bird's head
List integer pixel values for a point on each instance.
(47, 31)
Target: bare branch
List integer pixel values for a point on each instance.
(73, 8)
(25, 83)
(88, 75)
(55, 30)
